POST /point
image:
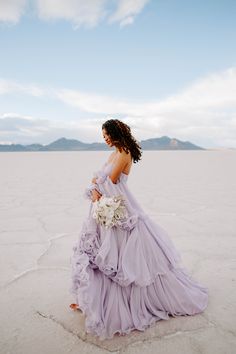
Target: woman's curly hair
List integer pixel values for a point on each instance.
(121, 137)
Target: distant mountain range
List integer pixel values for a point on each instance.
(63, 144)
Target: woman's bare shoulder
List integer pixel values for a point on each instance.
(126, 156)
(112, 155)
(121, 155)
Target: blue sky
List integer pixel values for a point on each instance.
(163, 67)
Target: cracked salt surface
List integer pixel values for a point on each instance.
(38, 230)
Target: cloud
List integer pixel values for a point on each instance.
(127, 21)
(10, 86)
(79, 12)
(204, 112)
(12, 122)
(210, 94)
(11, 10)
(15, 128)
(126, 11)
(22, 129)
(87, 13)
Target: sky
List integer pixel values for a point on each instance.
(164, 67)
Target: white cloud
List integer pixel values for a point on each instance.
(11, 10)
(22, 129)
(214, 92)
(10, 86)
(127, 10)
(204, 112)
(127, 21)
(13, 122)
(87, 13)
(79, 12)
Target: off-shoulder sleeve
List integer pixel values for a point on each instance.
(87, 192)
(100, 175)
(103, 185)
(106, 186)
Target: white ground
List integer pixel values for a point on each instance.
(192, 194)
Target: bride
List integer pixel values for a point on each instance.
(129, 276)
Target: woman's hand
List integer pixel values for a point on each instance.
(94, 179)
(95, 195)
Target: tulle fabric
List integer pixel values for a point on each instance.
(129, 277)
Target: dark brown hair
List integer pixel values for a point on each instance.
(121, 137)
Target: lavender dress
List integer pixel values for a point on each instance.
(129, 277)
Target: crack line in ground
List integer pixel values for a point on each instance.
(166, 336)
(17, 277)
(50, 243)
(85, 340)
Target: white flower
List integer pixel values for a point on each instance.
(108, 210)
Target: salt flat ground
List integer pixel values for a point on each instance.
(192, 194)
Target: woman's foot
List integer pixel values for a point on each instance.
(74, 307)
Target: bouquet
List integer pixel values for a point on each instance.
(109, 211)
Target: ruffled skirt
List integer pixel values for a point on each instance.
(129, 277)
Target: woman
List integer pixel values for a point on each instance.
(128, 277)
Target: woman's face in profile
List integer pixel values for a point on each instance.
(107, 138)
